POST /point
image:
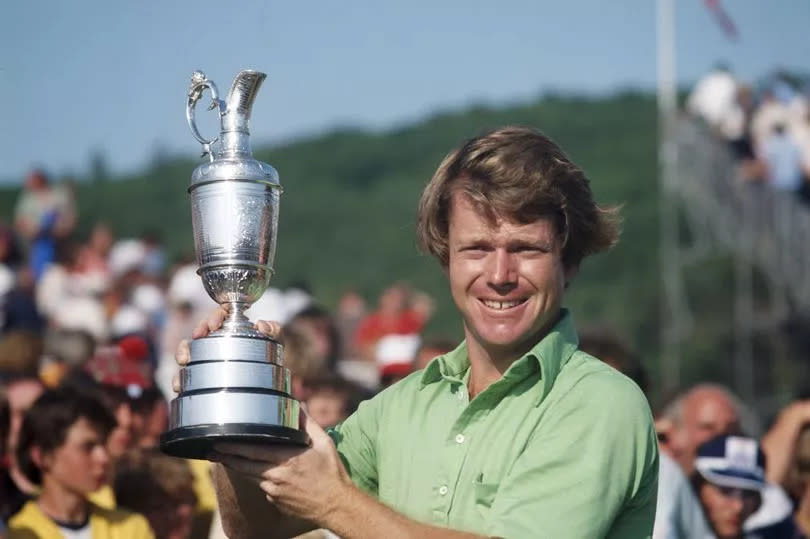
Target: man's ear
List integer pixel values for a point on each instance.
(40, 458)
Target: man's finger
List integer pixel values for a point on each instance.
(272, 454)
(269, 328)
(251, 469)
(201, 330)
(183, 354)
(316, 433)
(176, 383)
(216, 319)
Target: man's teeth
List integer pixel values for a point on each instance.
(500, 305)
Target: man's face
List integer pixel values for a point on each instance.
(507, 279)
(728, 508)
(21, 395)
(707, 413)
(326, 408)
(80, 465)
(123, 435)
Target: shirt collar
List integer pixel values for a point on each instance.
(549, 355)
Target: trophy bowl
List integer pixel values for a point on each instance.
(235, 387)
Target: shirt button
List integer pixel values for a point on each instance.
(459, 438)
(460, 395)
(443, 490)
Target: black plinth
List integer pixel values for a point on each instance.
(197, 442)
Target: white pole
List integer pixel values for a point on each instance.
(671, 302)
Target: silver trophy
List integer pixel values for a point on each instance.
(235, 387)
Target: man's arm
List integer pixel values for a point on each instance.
(779, 443)
(307, 488)
(245, 511)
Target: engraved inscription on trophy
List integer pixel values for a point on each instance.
(235, 387)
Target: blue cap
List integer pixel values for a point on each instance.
(732, 461)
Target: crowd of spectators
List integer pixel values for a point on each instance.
(719, 474)
(88, 333)
(767, 128)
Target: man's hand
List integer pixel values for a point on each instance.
(213, 323)
(306, 483)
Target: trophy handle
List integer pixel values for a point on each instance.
(199, 83)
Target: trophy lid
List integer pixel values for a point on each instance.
(230, 155)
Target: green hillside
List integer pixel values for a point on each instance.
(348, 209)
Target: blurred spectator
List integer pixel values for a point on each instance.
(19, 394)
(150, 414)
(19, 305)
(703, 412)
(43, 215)
(729, 479)
(310, 348)
(158, 487)
(714, 97)
(393, 317)
(787, 448)
(782, 160)
(62, 449)
(351, 309)
(91, 261)
(281, 305)
(431, 348)
(125, 256)
(332, 399)
(394, 357)
(154, 262)
(707, 411)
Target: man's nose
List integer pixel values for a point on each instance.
(502, 269)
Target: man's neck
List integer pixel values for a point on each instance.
(488, 364)
(61, 504)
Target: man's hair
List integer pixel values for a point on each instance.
(351, 393)
(47, 422)
(155, 485)
(749, 421)
(146, 478)
(518, 174)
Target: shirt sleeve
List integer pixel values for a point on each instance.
(602, 482)
(356, 443)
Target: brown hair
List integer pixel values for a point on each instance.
(518, 174)
(145, 478)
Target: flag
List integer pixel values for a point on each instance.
(722, 18)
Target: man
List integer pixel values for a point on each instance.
(729, 479)
(515, 433)
(703, 412)
(62, 449)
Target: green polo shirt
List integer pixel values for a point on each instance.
(561, 446)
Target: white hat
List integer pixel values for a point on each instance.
(186, 287)
(395, 353)
(127, 320)
(126, 255)
(148, 298)
(82, 313)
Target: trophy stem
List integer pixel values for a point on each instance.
(237, 322)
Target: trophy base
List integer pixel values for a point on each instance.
(198, 441)
(234, 389)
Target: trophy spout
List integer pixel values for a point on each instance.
(238, 106)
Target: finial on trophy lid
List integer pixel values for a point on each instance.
(235, 386)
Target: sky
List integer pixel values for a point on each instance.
(85, 77)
